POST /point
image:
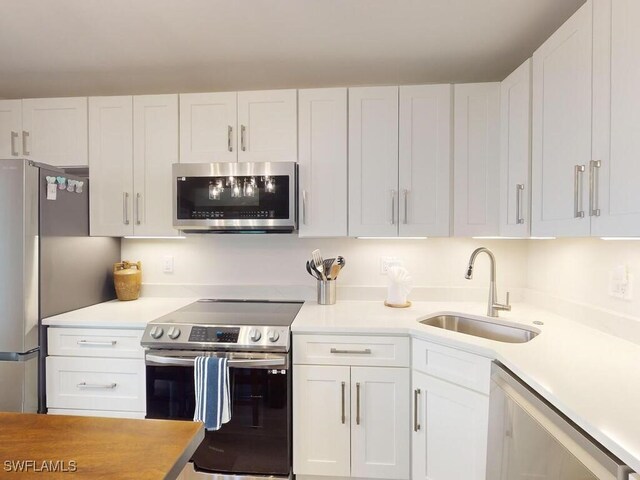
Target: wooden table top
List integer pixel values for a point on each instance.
(97, 448)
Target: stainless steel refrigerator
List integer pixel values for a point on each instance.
(48, 265)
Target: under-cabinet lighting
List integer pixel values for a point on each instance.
(620, 238)
(155, 238)
(392, 238)
(514, 238)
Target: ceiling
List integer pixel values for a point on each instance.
(107, 47)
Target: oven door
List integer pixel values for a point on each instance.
(257, 440)
(235, 197)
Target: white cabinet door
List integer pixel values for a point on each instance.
(321, 419)
(56, 130)
(561, 136)
(476, 159)
(10, 128)
(515, 153)
(322, 130)
(450, 428)
(380, 437)
(616, 142)
(425, 160)
(268, 126)
(208, 127)
(373, 162)
(155, 149)
(111, 166)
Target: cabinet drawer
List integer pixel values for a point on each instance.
(96, 384)
(455, 366)
(95, 342)
(351, 350)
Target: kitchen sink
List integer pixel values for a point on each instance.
(481, 328)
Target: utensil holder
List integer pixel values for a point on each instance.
(326, 292)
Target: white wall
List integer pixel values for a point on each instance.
(279, 260)
(579, 269)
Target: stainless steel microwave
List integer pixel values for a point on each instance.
(235, 197)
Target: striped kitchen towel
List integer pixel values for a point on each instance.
(213, 397)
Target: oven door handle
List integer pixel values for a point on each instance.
(248, 362)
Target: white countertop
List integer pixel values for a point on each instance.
(131, 314)
(592, 377)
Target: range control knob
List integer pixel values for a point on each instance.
(173, 333)
(255, 334)
(273, 335)
(156, 332)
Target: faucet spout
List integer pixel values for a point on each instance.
(493, 305)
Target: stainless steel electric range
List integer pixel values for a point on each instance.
(256, 337)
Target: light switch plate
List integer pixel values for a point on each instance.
(386, 262)
(167, 264)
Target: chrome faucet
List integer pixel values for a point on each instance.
(494, 307)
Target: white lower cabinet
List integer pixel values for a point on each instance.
(449, 430)
(95, 372)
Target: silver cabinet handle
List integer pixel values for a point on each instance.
(243, 134)
(25, 136)
(577, 191)
(405, 193)
(366, 351)
(594, 166)
(393, 207)
(125, 208)
(357, 403)
(229, 137)
(304, 207)
(416, 425)
(101, 343)
(138, 196)
(344, 416)
(109, 386)
(14, 150)
(519, 192)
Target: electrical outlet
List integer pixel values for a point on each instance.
(167, 264)
(386, 262)
(621, 283)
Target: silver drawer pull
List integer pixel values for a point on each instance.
(594, 167)
(101, 343)
(578, 212)
(14, 150)
(366, 351)
(109, 386)
(357, 403)
(343, 417)
(416, 423)
(519, 191)
(25, 136)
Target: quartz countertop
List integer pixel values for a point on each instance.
(116, 314)
(592, 377)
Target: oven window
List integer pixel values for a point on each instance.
(257, 440)
(231, 198)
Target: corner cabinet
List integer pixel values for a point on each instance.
(351, 407)
(515, 153)
(133, 141)
(322, 146)
(476, 154)
(450, 411)
(399, 161)
(258, 126)
(47, 130)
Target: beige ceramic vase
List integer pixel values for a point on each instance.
(127, 278)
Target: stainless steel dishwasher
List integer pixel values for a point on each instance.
(530, 439)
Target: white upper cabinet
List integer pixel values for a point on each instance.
(155, 149)
(322, 140)
(425, 160)
(373, 161)
(476, 159)
(614, 203)
(561, 137)
(55, 131)
(515, 153)
(110, 165)
(267, 126)
(208, 127)
(10, 128)
(133, 141)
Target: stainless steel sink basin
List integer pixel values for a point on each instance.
(481, 328)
